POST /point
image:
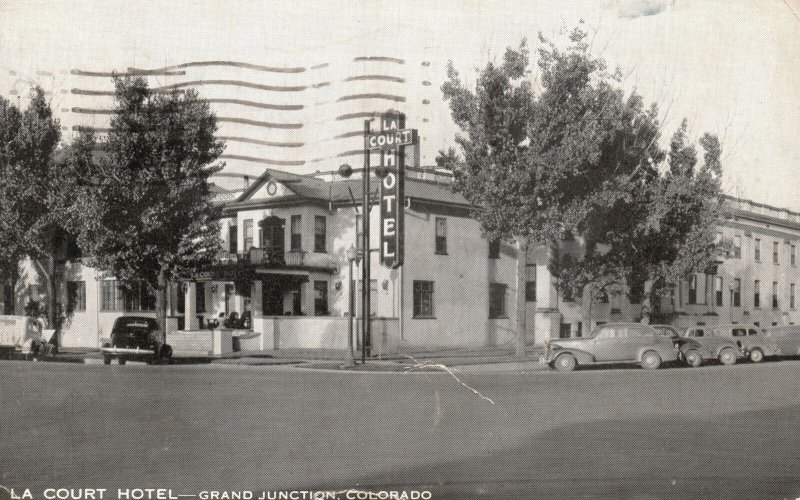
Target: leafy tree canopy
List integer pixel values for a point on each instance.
(569, 153)
(145, 209)
(28, 141)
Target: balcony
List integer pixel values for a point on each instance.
(267, 256)
(278, 258)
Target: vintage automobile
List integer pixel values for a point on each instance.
(714, 344)
(612, 343)
(24, 336)
(690, 351)
(783, 340)
(135, 338)
(749, 339)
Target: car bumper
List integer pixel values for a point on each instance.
(117, 351)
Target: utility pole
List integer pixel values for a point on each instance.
(365, 268)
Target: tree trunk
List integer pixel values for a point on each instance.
(522, 278)
(647, 302)
(161, 305)
(47, 269)
(9, 279)
(588, 304)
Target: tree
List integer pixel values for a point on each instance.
(146, 211)
(28, 227)
(570, 155)
(660, 231)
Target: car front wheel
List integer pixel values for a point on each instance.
(756, 356)
(651, 360)
(694, 359)
(565, 363)
(106, 360)
(727, 356)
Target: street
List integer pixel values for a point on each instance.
(711, 432)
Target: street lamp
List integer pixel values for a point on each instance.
(353, 255)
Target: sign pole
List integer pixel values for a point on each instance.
(365, 268)
(390, 141)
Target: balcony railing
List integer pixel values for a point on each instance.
(268, 255)
(279, 258)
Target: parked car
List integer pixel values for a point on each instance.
(690, 351)
(714, 344)
(750, 340)
(23, 335)
(612, 343)
(784, 340)
(135, 338)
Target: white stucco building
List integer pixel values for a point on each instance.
(284, 266)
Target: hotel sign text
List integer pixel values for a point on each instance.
(391, 141)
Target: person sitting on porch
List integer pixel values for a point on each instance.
(232, 320)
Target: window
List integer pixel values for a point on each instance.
(718, 290)
(233, 239)
(564, 330)
(606, 333)
(494, 249)
(320, 230)
(792, 258)
(321, 298)
(248, 235)
(441, 235)
(774, 252)
(757, 293)
(757, 249)
(200, 297)
(497, 300)
(736, 293)
(76, 296)
(774, 294)
(636, 332)
(136, 297)
(423, 299)
(297, 236)
(530, 291)
(693, 289)
(737, 247)
(791, 296)
(108, 289)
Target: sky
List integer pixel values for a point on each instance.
(729, 66)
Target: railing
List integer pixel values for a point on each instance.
(269, 255)
(279, 258)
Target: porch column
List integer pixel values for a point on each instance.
(255, 298)
(190, 307)
(238, 302)
(547, 317)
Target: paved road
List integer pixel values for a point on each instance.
(712, 432)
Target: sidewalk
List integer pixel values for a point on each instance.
(483, 359)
